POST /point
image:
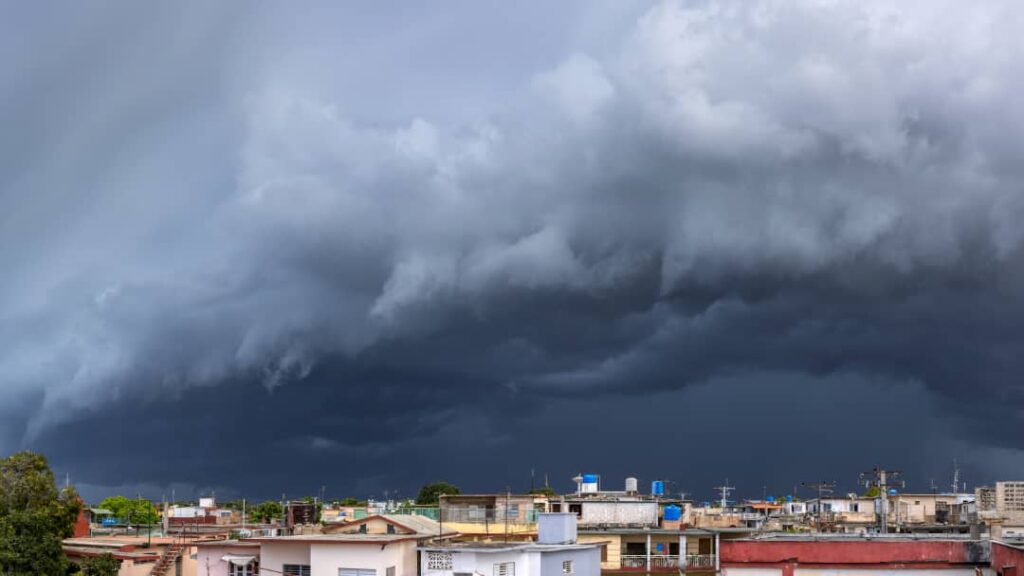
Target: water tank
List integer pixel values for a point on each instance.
(892, 492)
(589, 483)
(789, 498)
(673, 512)
(771, 499)
(631, 485)
(658, 488)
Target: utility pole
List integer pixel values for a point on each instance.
(725, 489)
(956, 477)
(882, 479)
(822, 488)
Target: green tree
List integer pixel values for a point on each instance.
(34, 517)
(136, 511)
(871, 492)
(431, 493)
(266, 511)
(104, 565)
(543, 491)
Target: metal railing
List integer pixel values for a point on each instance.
(473, 515)
(699, 561)
(658, 562)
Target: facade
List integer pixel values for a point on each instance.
(849, 556)
(379, 545)
(556, 553)
(487, 517)
(138, 555)
(227, 558)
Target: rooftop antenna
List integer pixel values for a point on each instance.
(532, 476)
(822, 488)
(956, 477)
(883, 480)
(725, 489)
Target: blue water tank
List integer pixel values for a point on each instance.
(673, 512)
(771, 499)
(892, 492)
(789, 498)
(657, 487)
(590, 478)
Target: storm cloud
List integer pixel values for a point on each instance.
(386, 242)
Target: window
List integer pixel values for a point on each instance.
(295, 570)
(391, 528)
(567, 567)
(362, 528)
(439, 560)
(505, 569)
(249, 569)
(854, 507)
(577, 509)
(556, 507)
(389, 571)
(358, 571)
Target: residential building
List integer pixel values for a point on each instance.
(486, 517)
(556, 553)
(227, 558)
(380, 545)
(847, 555)
(138, 555)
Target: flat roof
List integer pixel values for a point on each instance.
(494, 547)
(338, 538)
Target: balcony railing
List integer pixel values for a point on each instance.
(668, 562)
(700, 561)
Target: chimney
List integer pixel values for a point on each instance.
(556, 528)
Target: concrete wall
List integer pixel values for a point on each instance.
(208, 559)
(1007, 560)
(274, 555)
(614, 546)
(584, 562)
(326, 559)
(619, 513)
(858, 552)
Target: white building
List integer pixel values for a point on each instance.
(382, 545)
(555, 553)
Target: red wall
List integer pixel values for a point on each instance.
(81, 528)
(739, 552)
(1007, 560)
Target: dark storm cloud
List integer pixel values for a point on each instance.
(359, 239)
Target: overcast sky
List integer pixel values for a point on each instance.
(268, 247)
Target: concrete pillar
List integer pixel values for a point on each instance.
(648, 565)
(682, 550)
(718, 553)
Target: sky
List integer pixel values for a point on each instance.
(264, 248)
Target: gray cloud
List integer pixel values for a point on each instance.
(438, 211)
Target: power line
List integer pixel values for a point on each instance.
(822, 488)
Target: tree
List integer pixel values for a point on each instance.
(544, 491)
(266, 511)
(103, 565)
(34, 516)
(431, 493)
(871, 492)
(137, 511)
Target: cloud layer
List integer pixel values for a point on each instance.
(665, 196)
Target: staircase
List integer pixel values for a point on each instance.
(168, 559)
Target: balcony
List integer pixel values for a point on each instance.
(667, 563)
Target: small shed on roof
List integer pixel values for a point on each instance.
(403, 524)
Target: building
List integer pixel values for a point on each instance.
(486, 517)
(556, 553)
(381, 545)
(227, 558)
(841, 555)
(138, 555)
